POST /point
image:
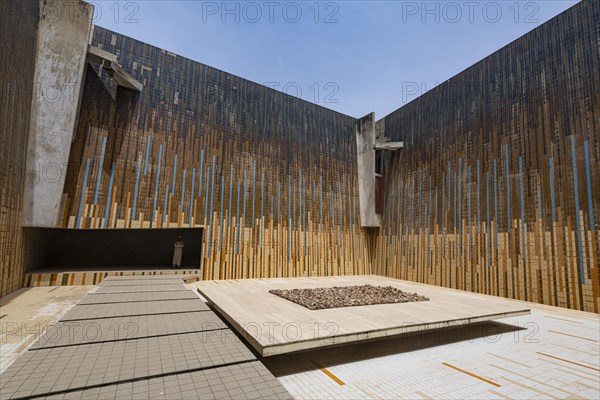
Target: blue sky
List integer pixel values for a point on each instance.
(351, 56)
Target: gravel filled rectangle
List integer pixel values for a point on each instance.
(347, 296)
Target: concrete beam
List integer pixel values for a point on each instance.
(96, 55)
(122, 77)
(365, 155)
(108, 61)
(389, 146)
(62, 46)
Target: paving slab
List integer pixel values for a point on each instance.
(100, 298)
(140, 288)
(250, 380)
(141, 282)
(24, 314)
(273, 325)
(46, 371)
(96, 311)
(72, 333)
(145, 277)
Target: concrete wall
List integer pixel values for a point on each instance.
(18, 25)
(365, 157)
(497, 190)
(63, 33)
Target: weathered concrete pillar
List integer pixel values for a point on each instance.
(365, 140)
(62, 42)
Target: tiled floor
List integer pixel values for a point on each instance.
(112, 282)
(99, 298)
(123, 328)
(551, 354)
(153, 349)
(28, 312)
(57, 369)
(132, 288)
(96, 311)
(249, 381)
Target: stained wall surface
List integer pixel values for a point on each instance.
(497, 190)
(62, 42)
(272, 178)
(18, 26)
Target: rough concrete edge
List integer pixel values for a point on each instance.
(384, 333)
(238, 328)
(265, 350)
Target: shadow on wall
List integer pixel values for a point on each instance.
(58, 249)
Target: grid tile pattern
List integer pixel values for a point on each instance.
(49, 370)
(81, 312)
(508, 359)
(140, 282)
(170, 354)
(139, 288)
(99, 298)
(249, 381)
(149, 278)
(127, 328)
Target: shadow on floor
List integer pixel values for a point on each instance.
(288, 364)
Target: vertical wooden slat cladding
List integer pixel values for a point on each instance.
(18, 28)
(497, 189)
(272, 178)
(512, 149)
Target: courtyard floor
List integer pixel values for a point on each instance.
(552, 353)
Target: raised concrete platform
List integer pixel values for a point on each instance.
(273, 325)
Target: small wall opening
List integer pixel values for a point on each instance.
(58, 250)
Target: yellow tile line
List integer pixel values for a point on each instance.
(579, 350)
(472, 374)
(562, 319)
(508, 359)
(593, 376)
(571, 362)
(537, 382)
(532, 388)
(498, 394)
(424, 395)
(329, 374)
(578, 337)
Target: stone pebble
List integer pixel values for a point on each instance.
(347, 296)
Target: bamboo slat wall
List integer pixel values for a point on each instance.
(498, 188)
(18, 26)
(272, 178)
